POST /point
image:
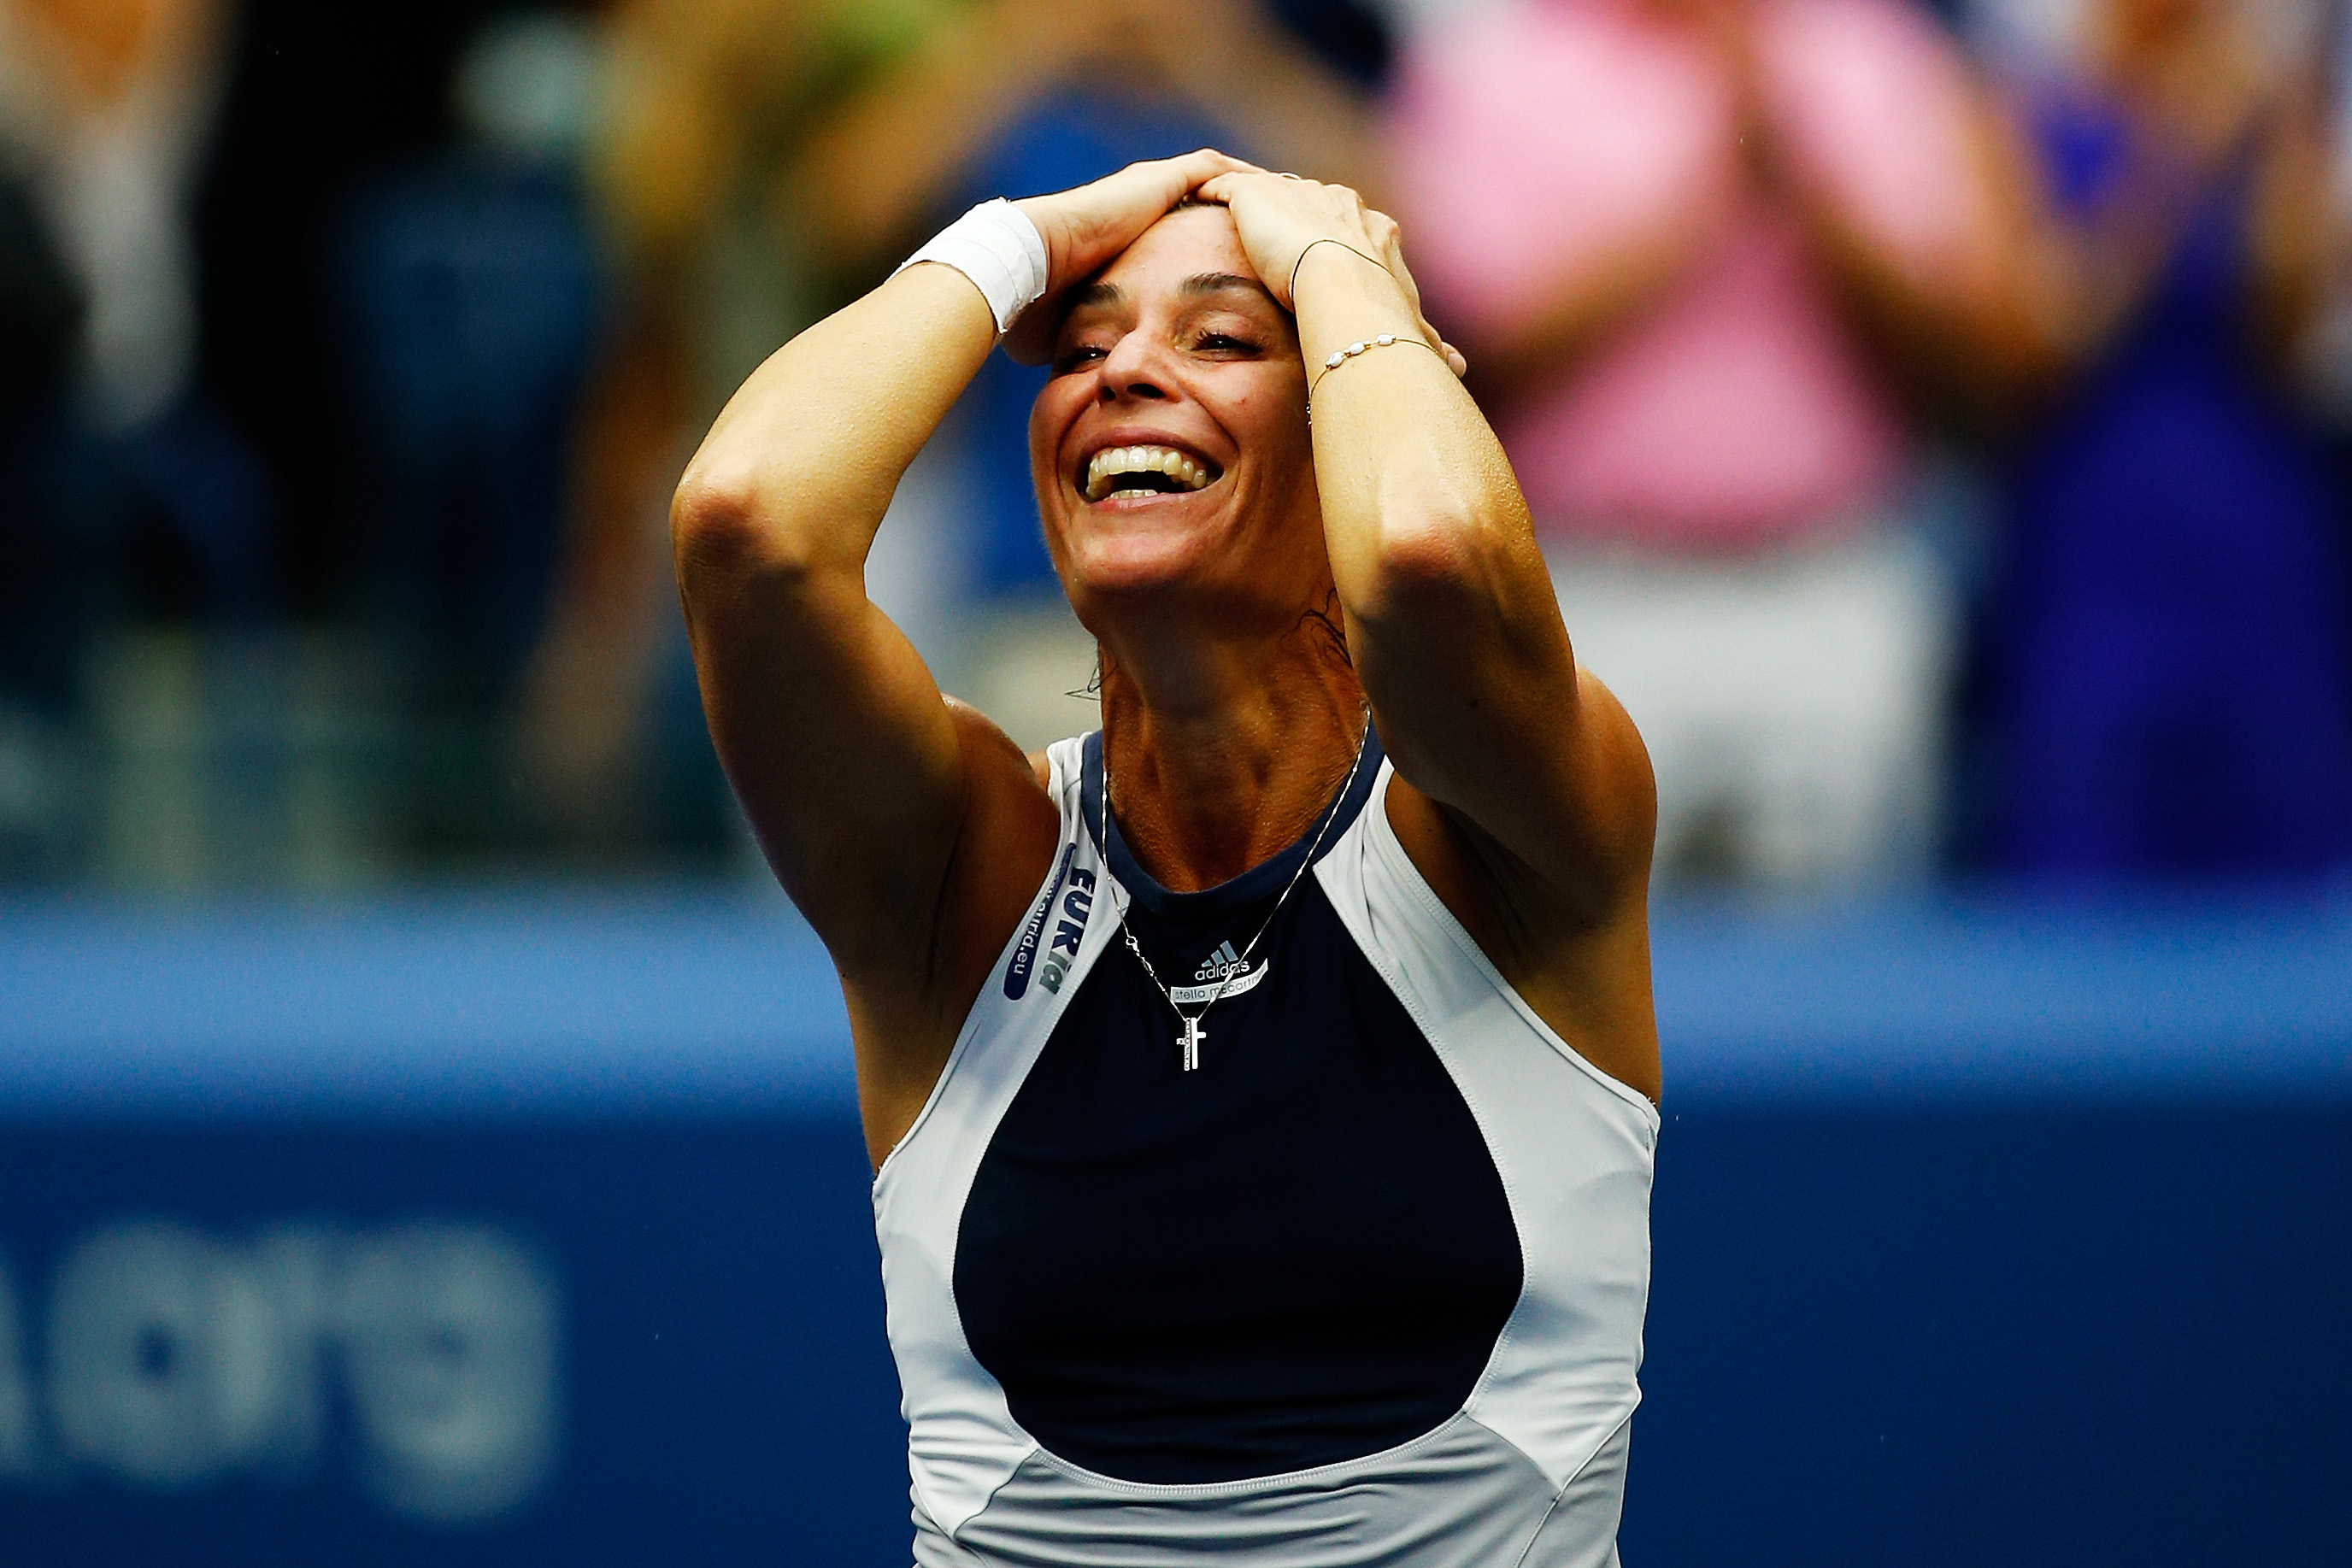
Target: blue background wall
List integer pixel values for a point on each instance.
(1984, 1231)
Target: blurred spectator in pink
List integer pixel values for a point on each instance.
(2171, 674)
(1709, 260)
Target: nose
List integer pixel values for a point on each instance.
(1133, 369)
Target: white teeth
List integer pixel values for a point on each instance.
(1108, 465)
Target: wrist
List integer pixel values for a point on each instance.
(1001, 249)
(1342, 300)
(1339, 249)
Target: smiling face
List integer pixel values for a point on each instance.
(1170, 449)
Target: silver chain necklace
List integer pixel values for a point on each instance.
(1188, 1043)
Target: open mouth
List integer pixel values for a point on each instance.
(1129, 473)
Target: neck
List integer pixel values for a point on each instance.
(1222, 756)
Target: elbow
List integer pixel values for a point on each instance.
(1442, 562)
(715, 502)
(719, 526)
(1424, 558)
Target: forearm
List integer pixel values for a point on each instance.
(1413, 484)
(771, 525)
(1451, 617)
(806, 455)
(802, 461)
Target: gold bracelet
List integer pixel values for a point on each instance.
(1341, 356)
(1326, 239)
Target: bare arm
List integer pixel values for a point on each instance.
(831, 728)
(1451, 616)
(1526, 778)
(897, 823)
(902, 826)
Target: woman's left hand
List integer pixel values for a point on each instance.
(1279, 217)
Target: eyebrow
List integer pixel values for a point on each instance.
(1099, 293)
(1201, 283)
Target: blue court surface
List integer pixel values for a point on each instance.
(531, 1228)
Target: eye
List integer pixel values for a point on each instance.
(1078, 357)
(1225, 344)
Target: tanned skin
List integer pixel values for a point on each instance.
(1380, 561)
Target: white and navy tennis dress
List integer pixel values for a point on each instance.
(1366, 1288)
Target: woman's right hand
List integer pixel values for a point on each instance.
(1085, 227)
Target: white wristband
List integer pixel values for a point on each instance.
(997, 247)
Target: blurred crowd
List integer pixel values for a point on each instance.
(1937, 419)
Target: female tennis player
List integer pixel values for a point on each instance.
(1261, 1086)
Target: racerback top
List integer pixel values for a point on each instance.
(1366, 1288)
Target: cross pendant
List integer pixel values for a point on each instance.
(1189, 1040)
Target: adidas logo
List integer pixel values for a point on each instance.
(1219, 963)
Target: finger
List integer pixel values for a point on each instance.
(1143, 192)
(1222, 188)
(1197, 168)
(1455, 360)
